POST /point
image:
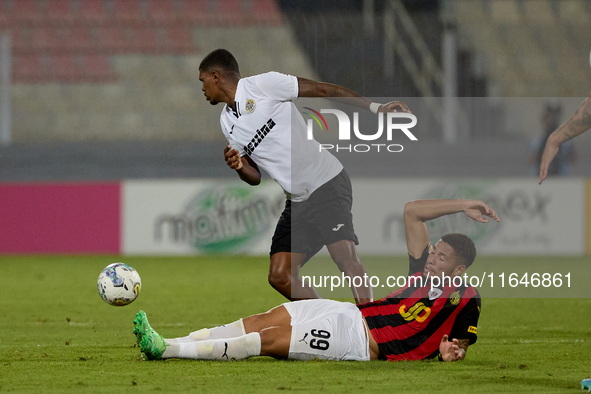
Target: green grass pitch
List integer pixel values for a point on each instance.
(57, 335)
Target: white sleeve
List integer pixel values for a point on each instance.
(231, 141)
(277, 86)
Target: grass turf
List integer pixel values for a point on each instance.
(57, 335)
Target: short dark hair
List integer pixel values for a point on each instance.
(221, 59)
(463, 247)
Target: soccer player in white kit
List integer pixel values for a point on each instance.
(264, 129)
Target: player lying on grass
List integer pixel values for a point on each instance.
(265, 129)
(412, 323)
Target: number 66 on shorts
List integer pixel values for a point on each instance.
(320, 344)
(327, 330)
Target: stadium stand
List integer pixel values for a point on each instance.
(127, 69)
(64, 30)
(107, 89)
(532, 47)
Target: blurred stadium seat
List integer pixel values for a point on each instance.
(110, 38)
(24, 10)
(65, 68)
(59, 10)
(97, 68)
(27, 68)
(178, 38)
(574, 11)
(163, 11)
(78, 38)
(266, 11)
(505, 11)
(128, 11)
(44, 38)
(195, 11)
(232, 12)
(105, 27)
(531, 47)
(122, 61)
(92, 11)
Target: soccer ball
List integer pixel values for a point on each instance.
(119, 284)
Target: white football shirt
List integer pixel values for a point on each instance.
(268, 128)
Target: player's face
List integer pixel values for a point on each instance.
(442, 260)
(210, 87)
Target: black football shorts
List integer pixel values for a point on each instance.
(323, 219)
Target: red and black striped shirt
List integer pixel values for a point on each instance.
(407, 325)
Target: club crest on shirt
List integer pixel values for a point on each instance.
(454, 298)
(435, 293)
(250, 106)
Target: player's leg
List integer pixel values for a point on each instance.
(285, 265)
(155, 348)
(273, 340)
(345, 256)
(323, 329)
(229, 330)
(277, 316)
(330, 209)
(284, 276)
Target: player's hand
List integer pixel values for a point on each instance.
(394, 106)
(549, 154)
(233, 159)
(451, 351)
(477, 210)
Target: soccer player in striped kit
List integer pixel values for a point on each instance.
(415, 322)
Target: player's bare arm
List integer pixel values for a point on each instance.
(454, 350)
(246, 168)
(309, 88)
(417, 212)
(576, 125)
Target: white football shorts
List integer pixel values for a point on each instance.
(327, 330)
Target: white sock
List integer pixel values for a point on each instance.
(239, 348)
(230, 330)
(178, 340)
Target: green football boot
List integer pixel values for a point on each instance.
(152, 345)
(140, 325)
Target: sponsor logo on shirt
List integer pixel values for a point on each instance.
(472, 329)
(259, 136)
(414, 312)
